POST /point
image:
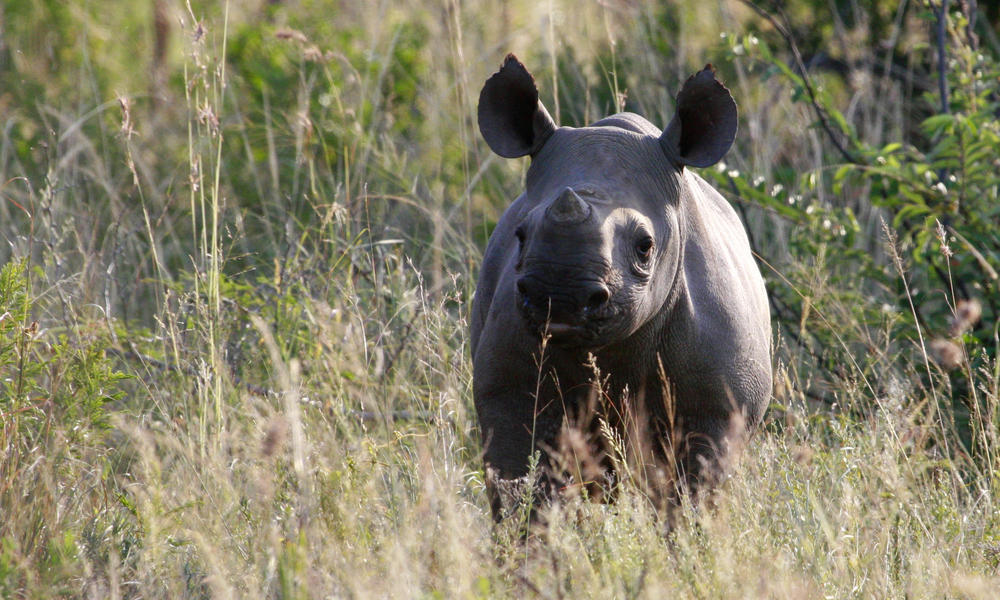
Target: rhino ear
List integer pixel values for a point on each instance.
(704, 126)
(511, 117)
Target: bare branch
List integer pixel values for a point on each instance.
(783, 30)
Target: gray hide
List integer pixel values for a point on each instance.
(618, 252)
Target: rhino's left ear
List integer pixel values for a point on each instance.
(511, 118)
(704, 126)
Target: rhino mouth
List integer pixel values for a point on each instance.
(564, 330)
(566, 309)
(566, 333)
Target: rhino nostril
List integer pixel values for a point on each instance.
(523, 293)
(598, 297)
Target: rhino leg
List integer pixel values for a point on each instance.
(518, 415)
(704, 450)
(513, 429)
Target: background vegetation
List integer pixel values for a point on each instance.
(240, 239)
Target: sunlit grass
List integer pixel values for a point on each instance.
(280, 252)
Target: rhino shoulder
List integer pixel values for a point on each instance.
(725, 289)
(715, 207)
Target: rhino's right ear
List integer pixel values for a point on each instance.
(704, 126)
(511, 118)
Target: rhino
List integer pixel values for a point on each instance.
(617, 259)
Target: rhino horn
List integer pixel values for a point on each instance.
(704, 126)
(569, 208)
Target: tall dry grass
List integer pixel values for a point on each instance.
(270, 216)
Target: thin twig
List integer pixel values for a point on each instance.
(422, 416)
(942, 31)
(971, 9)
(160, 365)
(783, 30)
(367, 416)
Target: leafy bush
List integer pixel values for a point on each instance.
(54, 409)
(49, 384)
(278, 235)
(924, 276)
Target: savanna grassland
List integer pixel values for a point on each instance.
(239, 242)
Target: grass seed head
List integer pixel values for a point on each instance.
(274, 438)
(947, 354)
(967, 314)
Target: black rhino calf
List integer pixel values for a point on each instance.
(625, 260)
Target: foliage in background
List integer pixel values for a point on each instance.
(270, 215)
(916, 218)
(56, 397)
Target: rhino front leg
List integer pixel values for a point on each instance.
(517, 416)
(513, 427)
(508, 442)
(705, 450)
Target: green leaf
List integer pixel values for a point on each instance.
(890, 148)
(933, 125)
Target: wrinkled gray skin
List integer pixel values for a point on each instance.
(618, 250)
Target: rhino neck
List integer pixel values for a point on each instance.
(673, 311)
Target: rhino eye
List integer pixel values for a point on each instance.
(644, 248)
(519, 233)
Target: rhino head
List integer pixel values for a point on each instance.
(601, 231)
